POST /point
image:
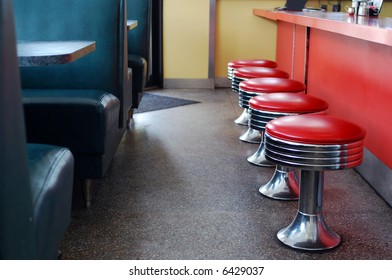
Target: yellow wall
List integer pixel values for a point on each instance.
(386, 10)
(185, 38)
(239, 34)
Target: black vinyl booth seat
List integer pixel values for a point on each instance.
(258, 86)
(283, 184)
(238, 63)
(313, 144)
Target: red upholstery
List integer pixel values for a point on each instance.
(288, 102)
(252, 62)
(315, 129)
(269, 85)
(259, 72)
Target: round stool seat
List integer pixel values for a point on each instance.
(271, 84)
(257, 86)
(259, 72)
(245, 73)
(312, 143)
(234, 64)
(314, 129)
(267, 107)
(252, 62)
(288, 102)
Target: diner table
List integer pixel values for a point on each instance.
(40, 53)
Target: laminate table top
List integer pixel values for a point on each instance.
(39, 53)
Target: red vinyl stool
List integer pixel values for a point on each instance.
(238, 63)
(313, 144)
(258, 86)
(246, 73)
(283, 184)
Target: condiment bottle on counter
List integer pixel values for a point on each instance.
(363, 9)
(354, 4)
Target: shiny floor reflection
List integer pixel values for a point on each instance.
(180, 187)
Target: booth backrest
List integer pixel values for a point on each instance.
(102, 21)
(16, 210)
(139, 38)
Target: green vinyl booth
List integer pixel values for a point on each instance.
(81, 105)
(36, 180)
(139, 47)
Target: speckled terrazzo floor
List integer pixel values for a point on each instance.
(180, 188)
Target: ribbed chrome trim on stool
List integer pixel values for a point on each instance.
(243, 119)
(243, 101)
(258, 120)
(245, 96)
(284, 183)
(230, 71)
(312, 156)
(235, 83)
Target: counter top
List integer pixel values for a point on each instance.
(374, 29)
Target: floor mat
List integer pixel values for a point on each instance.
(153, 102)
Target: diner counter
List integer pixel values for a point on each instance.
(373, 29)
(344, 60)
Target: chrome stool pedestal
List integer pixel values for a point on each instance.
(251, 136)
(258, 158)
(312, 143)
(284, 184)
(243, 119)
(308, 230)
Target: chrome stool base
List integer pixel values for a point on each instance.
(243, 119)
(259, 159)
(283, 185)
(312, 143)
(251, 136)
(309, 232)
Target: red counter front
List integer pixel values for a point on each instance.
(347, 62)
